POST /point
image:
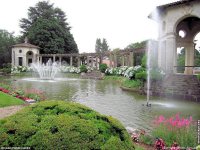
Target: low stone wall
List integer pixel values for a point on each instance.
(186, 87)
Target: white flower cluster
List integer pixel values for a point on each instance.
(126, 71)
(19, 69)
(89, 69)
(69, 69)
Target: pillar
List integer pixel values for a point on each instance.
(54, 58)
(170, 52)
(88, 61)
(115, 60)
(189, 58)
(13, 58)
(96, 62)
(110, 57)
(123, 63)
(131, 59)
(92, 61)
(78, 61)
(71, 60)
(60, 60)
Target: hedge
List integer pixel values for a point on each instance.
(63, 125)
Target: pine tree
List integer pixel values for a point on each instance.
(104, 46)
(98, 45)
(101, 47)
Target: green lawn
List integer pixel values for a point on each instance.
(8, 100)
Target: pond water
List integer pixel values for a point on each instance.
(108, 98)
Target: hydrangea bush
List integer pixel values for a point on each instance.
(19, 69)
(125, 71)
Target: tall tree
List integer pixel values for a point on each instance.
(104, 45)
(98, 45)
(47, 28)
(101, 47)
(6, 41)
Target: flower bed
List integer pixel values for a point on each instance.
(28, 95)
(174, 132)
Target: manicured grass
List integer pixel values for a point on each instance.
(8, 100)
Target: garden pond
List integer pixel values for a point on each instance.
(108, 98)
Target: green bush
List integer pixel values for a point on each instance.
(131, 83)
(83, 68)
(198, 77)
(63, 125)
(144, 61)
(103, 67)
(141, 76)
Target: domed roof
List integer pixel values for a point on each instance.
(26, 45)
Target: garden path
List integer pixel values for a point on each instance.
(7, 111)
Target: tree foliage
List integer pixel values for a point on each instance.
(47, 28)
(101, 47)
(136, 45)
(6, 41)
(181, 59)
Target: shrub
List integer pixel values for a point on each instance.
(141, 76)
(144, 61)
(131, 83)
(83, 68)
(103, 67)
(63, 125)
(198, 77)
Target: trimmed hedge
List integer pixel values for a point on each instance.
(63, 125)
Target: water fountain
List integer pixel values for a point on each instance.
(46, 71)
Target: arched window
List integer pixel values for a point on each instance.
(20, 51)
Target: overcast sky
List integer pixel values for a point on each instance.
(120, 22)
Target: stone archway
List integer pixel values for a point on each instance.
(171, 19)
(186, 31)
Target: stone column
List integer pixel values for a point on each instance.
(189, 58)
(170, 48)
(123, 63)
(24, 63)
(131, 59)
(115, 60)
(96, 62)
(60, 60)
(71, 60)
(13, 57)
(54, 58)
(92, 61)
(111, 61)
(78, 61)
(88, 61)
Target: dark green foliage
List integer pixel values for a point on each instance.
(144, 61)
(63, 125)
(6, 68)
(6, 41)
(103, 67)
(83, 68)
(137, 45)
(101, 47)
(47, 28)
(141, 75)
(98, 45)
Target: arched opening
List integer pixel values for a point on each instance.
(186, 38)
(29, 58)
(196, 69)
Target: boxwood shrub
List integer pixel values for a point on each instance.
(63, 125)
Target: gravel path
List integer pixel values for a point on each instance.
(7, 111)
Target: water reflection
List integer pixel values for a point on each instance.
(107, 98)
